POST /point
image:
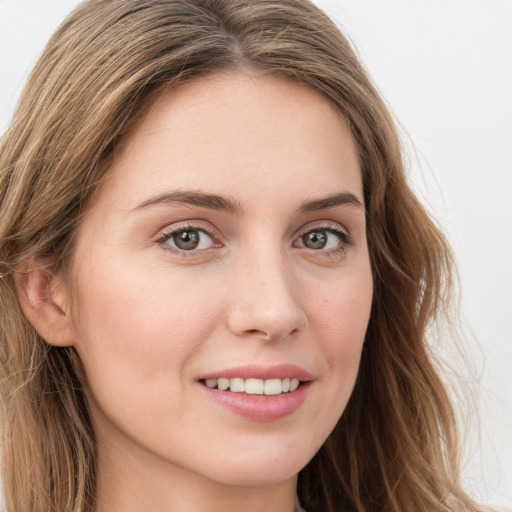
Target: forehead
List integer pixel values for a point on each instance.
(236, 133)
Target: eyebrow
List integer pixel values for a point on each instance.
(230, 205)
(194, 198)
(342, 198)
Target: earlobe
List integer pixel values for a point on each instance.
(44, 304)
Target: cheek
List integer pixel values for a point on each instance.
(142, 326)
(338, 320)
(342, 315)
(341, 319)
(136, 337)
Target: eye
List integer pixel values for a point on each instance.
(325, 239)
(315, 239)
(187, 239)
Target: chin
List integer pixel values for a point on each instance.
(259, 471)
(254, 477)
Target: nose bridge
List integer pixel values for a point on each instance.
(265, 301)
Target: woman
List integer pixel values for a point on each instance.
(218, 280)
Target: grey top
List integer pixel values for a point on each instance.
(298, 506)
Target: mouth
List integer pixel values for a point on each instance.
(259, 393)
(253, 386)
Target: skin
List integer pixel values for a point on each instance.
(148, 319)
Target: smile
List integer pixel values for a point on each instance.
(259, 393)
(254, 386)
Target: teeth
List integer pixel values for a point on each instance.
(273, 387)
(223, 384)
(254, 386)
(237, 385)
(211, 383)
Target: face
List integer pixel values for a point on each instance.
(227, 247)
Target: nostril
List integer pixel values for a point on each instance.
(259, 332)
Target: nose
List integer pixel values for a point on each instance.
(265, 300)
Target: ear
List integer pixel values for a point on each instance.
(45, 303)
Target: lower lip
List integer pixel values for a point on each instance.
(261, 408)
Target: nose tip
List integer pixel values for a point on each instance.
(268, 309)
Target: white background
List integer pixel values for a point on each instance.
(445, 68)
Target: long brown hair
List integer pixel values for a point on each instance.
(395, 446)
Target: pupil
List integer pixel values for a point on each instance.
(315, 239)
(186, 240)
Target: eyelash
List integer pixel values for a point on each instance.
(345, 239)
(168, 234)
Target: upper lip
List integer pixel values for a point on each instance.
(253, 371)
